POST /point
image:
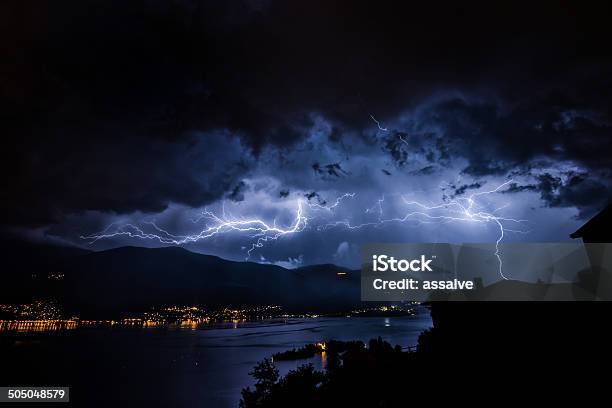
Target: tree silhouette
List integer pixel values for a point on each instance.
(266, 376)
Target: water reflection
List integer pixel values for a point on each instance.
(188, 368)
(37, 325)
(51, 325)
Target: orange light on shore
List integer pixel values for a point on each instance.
(37, 325)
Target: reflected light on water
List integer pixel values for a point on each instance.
(37, 325)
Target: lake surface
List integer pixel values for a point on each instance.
(205, 367)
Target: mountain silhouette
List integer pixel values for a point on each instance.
(136, 279)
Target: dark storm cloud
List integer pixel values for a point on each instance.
(515, 188)
(460, 190)
(121, 177)
(497, 138)
(393, 144)
(425, 170)
(106, 105)
(403, 146)
(326, 171)
(237, 193)
(573, 189)
(314, 196)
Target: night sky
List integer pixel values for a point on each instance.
(159, 116)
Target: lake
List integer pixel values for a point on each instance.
(205, 367)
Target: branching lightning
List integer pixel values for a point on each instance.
(378, 207)
(259, 231)
(334, 205)
(465, 209)
(254, 228)
(458, 209)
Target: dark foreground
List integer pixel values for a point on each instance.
(487, 352)
(207, 367)
(494, 353)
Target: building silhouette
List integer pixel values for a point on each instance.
(595, 234)
(597, 229)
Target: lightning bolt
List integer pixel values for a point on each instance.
(255, 228)
(463, 209)
(459, 209)
(378, 124)
(403, 140)
(379, 205)
(334, 205)
(384, 129)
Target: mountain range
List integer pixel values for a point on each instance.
(136, 279)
